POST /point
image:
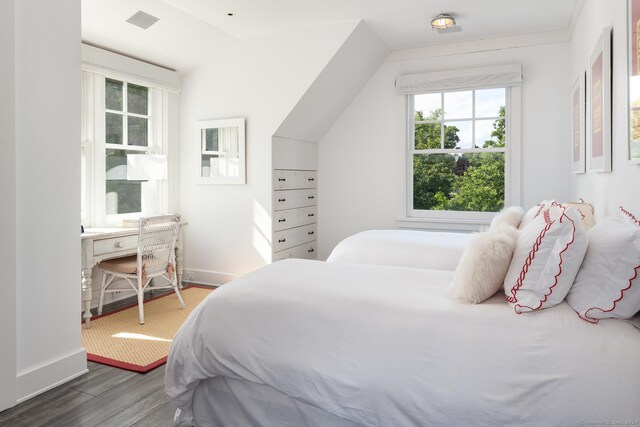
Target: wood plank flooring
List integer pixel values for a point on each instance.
(105, 396)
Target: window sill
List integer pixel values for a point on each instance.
(460, 225)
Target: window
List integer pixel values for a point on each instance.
(463, 145)
(458, 150)
(120, 118)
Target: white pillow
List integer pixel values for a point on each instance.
(607, 284)
(546, 259)
(481, 270)
(510, 216)
(533, 212)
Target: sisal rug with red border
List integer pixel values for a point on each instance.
(118, 339)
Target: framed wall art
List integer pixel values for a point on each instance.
(578, 144)
(600, 112)
(633, 149)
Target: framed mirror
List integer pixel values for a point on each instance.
(222, 151)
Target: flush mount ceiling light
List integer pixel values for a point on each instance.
(442, 22)
(142, 19)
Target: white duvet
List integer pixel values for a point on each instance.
(408, 248)
(386, 346)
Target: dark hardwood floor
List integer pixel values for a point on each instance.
(105, 396)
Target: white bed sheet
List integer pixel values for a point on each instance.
(409, 248)
(385, 346)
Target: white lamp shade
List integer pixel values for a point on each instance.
(146, 167)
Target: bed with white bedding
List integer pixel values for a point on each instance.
(339, 344)
(438, 250)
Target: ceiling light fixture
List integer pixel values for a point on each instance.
(442, 22)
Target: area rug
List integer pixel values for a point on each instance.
(118, 339)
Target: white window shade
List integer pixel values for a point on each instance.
(499, 75)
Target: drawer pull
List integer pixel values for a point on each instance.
(311, 197)
(119, 244)
(282, 240)
(311, 233)
(311, 214)
(282, 179)
(310, 250)
(282, 200)
(282, 220)
(311, 179)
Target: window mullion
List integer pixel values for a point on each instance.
(442, 120)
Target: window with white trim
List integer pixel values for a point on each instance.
(120, 118)
(463, 143)
(458, 150)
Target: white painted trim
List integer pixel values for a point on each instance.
(108, 63)
(45, 376)
(450, 49)
(207, 277)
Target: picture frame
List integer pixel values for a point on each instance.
(600, 111)
(221, 154)
(633, 82)
(578, 126)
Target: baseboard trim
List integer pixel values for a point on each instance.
(45, 376)
(207, 277)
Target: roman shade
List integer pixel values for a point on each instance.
(468, 78)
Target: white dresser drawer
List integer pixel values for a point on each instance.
(114, 244)
(290, 199)
(294, 218)
(305, 251)
(290, 179)
(293, 237)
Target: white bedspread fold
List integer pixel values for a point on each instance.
(386, 346)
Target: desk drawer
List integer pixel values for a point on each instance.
(290, 199)
(294, 218)
(289, 179)
(115, 244)
(306, 251)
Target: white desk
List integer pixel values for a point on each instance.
(99, 244)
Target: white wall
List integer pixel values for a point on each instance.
(606, 191)
(362, 158)
(229, 231)
(8, 206)
(47, 209)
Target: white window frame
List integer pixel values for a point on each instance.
(464, 220)
(95, 146)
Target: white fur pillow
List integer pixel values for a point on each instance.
(509, 216)
(481, 270)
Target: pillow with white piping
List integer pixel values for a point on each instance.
(484, 263)
(607, 284)
(533, 212)
(509, 216)
(546, 260)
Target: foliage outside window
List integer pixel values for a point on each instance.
(126, 132)
(458, 150)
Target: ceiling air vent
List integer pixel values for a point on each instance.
(142, 19)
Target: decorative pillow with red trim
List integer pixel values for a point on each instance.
(607, 284)
(546, 260)
(533, 212)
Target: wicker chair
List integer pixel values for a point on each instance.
(155, 260)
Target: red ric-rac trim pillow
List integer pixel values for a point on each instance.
(607, 284)
(546, 260)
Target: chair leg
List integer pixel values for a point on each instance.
(140, 301)
(102, 287)
(176, 289)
